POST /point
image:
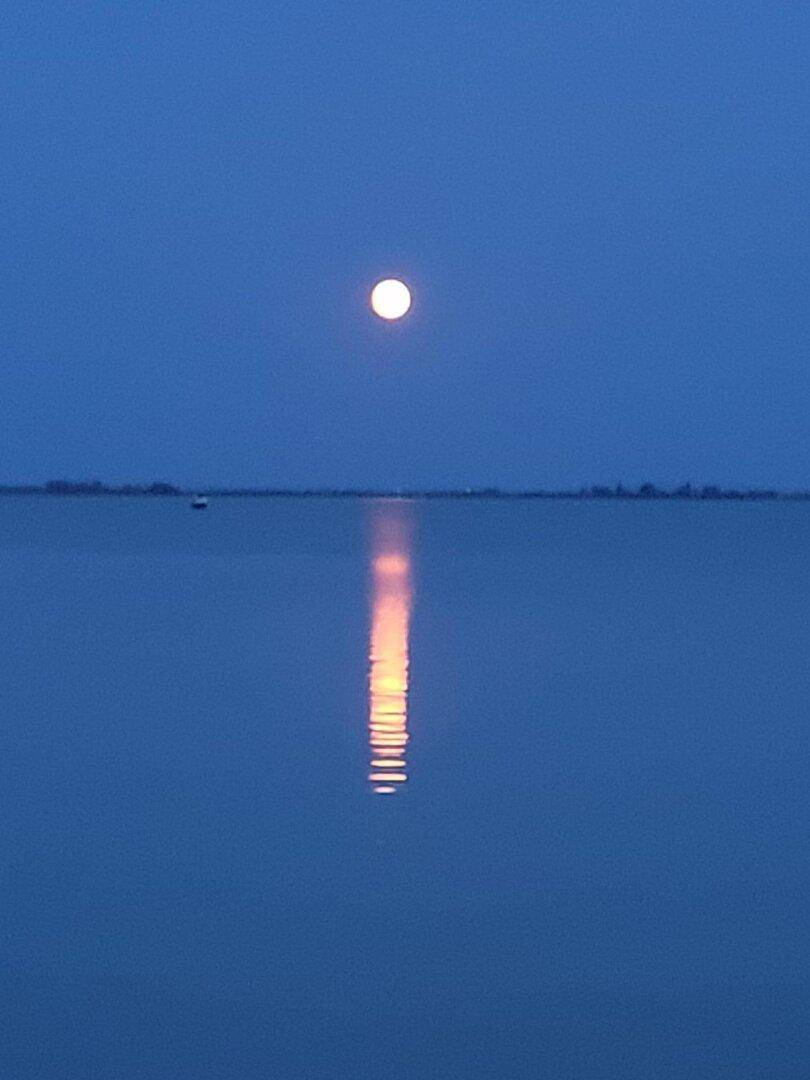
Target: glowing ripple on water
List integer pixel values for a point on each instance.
(391, 600)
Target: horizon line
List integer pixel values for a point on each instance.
(646, 491)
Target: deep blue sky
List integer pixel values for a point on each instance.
(602, 210)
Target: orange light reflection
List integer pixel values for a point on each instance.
(391, 600)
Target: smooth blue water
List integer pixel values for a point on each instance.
(596, 868)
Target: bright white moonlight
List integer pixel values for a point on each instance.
(390, 299)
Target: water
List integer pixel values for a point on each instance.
(588, 858)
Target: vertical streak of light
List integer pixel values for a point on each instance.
(391, 601)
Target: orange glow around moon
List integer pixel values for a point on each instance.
(390, 299)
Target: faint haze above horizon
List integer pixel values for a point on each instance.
(600, 210)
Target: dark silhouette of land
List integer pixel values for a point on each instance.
(647, 491)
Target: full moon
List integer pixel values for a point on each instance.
(390, 299)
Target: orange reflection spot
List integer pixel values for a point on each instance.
(391, 599)
(385, 790)
(391, 564)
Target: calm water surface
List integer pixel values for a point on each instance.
(334, 790)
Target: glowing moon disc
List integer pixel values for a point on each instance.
(390, 299)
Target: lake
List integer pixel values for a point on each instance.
(339, 789)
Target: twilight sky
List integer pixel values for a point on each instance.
(601, 208)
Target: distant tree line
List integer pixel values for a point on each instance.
(646, 491)
(92, 487)
(685, 491)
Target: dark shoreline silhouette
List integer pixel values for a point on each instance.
(161, 488)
